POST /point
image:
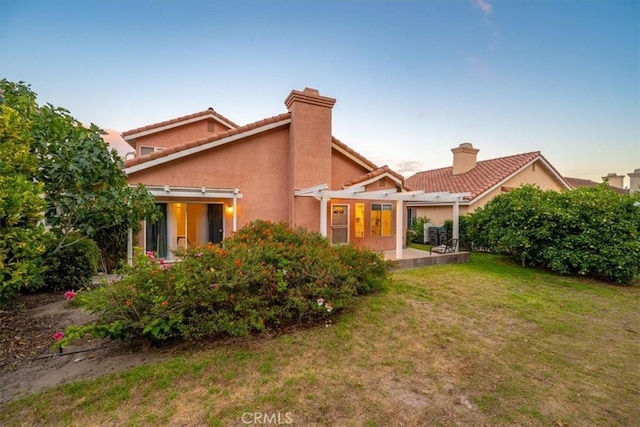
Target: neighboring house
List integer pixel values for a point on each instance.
(483, 179)
(211, 176)
(614, 183)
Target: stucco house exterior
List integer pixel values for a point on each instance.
(211, 176)
(483, 180)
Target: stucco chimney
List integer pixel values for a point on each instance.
(464, 158)
(634, 181)
(309, 150)
(615, 180)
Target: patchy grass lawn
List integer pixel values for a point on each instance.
(487, 342)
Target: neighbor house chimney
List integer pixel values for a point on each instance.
(634, 181)
(464, 158)
(614, 180)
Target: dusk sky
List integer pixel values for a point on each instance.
(412, 79)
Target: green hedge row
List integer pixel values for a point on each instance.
(590, 231)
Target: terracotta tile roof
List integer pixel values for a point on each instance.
(354, 153)
(201, 141)
(207, 112)
(375, 173)
(481, 178)
(375, 170)
(579, 182)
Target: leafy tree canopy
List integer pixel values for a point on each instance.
(82, 182)
(21, 206)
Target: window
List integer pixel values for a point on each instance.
(381, 218)
(359, 219)
(149, 150)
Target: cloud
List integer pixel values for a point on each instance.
(407, 167)
(483, 5)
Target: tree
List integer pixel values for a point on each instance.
(82, 183)
(21, 206)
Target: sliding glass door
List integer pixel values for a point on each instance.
(182, 225)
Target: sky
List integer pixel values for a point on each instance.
(412, 78)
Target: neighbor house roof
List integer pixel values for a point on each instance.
(209, 113)
(579, 182)
(484, 177)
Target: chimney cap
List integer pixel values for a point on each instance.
(465, 147)
(309, 96)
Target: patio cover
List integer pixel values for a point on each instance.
(322, 193)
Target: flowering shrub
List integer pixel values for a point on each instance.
(265, 277)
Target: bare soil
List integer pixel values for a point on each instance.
(29, 362)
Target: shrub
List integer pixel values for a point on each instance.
(415, 231)
(70, 266)
(587, 231)
(463, 233)
(265, 277)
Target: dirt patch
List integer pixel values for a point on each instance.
(28, 363)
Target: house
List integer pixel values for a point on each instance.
(614, 181)
(211, 176)
(482, 180)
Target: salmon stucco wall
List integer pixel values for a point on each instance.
(344, 170)
(310, 152)
(257, 166)
(180, 134)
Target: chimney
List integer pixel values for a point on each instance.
(464, 158)
(309, 151)
(614, 180)
(634, 181)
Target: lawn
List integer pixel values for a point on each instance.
(484, 343)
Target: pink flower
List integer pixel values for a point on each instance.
(214, 286)
(320, 301)
(165, 266)
(58, 336)
(198, 255)
(69, 295)
(150, 255)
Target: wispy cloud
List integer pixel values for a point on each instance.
(483, 5)
(407, 167)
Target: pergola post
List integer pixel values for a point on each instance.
(234, 226)
(324, 202)
(456, 222)
(399, 221)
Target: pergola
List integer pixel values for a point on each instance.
(323, 194)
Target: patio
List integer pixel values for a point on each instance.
(417, 258)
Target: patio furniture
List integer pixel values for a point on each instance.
(448, 248)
